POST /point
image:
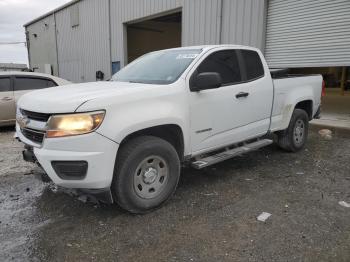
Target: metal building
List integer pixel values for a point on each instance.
(86, 36)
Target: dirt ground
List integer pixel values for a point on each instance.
(212, 216)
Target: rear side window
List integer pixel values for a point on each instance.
(50, 83)
(5, 84)
(253, 65)
(31, 83)
(225, 63)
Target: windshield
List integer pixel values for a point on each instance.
(161, 67)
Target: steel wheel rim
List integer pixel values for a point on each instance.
(151, 177)
(299, 132)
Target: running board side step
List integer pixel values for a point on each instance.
(213, 159)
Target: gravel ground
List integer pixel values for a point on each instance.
(212, 216)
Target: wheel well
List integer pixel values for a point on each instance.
(171, 133)
(306, 106)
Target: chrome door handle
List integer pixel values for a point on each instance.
(242, 94)
(6, 98)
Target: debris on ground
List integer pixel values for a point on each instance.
(211, 194)
(53, 187)
(325, 134)
(83, 198)
(344, 204)
(87, 198)
(31, 172)
(263, 216)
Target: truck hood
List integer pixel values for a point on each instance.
(66, 99)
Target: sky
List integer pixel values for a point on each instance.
(13, 15)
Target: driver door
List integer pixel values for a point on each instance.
(223, 116)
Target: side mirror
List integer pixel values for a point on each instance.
(207, 80)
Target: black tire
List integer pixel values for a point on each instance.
(133, 174)
(288, 139)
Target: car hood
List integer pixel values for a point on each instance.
(66, 99)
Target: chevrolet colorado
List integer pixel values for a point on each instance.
(126, 138)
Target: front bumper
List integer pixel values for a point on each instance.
(28, 154)
(96, 150)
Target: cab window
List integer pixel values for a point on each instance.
(225, 63)
(252, 64)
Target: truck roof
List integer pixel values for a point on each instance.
(208, 47)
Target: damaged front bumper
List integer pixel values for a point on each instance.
(99, 164)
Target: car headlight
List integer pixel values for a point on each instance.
(74, 124)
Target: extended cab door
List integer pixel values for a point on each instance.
(238, 110)
(25, 84)
(7, 101)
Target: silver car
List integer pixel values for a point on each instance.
(15, 84)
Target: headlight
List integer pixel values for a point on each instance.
(74, 124)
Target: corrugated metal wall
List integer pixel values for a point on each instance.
(84, 49)
(42, 48)
(201, 22)
(244, 22)
(310, 33)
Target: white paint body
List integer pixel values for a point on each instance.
(131, 107)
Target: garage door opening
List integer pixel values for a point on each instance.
(153, 34)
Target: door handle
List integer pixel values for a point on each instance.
(242, 94)
(6, 98)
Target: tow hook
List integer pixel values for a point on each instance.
(28, 154)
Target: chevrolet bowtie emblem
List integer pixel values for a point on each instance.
(22, 121)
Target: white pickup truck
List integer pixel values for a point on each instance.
(125, 139)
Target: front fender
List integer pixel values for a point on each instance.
(124, 119)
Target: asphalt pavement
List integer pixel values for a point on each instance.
(211, 217)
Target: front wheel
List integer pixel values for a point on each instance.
(146, 174)
(294, 137)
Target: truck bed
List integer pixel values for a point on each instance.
(288, 89)
(284, 73)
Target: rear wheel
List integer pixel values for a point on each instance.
(146, 174)
(294, 137)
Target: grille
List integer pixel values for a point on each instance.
(36, 116)
(33, 135)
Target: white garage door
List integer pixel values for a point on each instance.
(309, 33)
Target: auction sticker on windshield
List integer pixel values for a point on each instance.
(186, 56)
